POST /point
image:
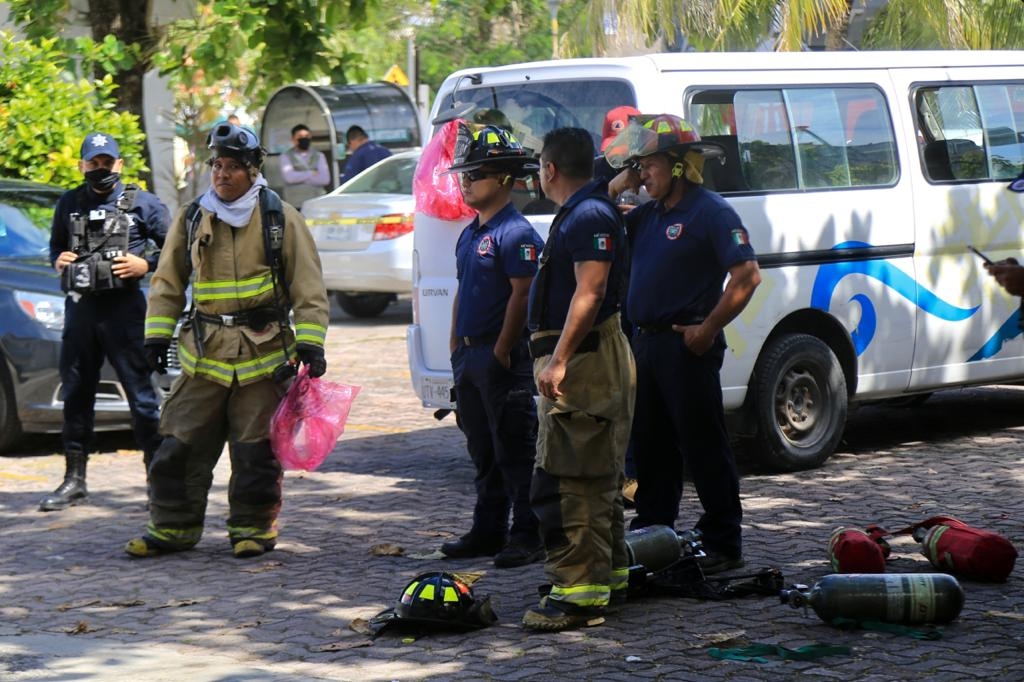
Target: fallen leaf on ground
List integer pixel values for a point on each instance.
(1004, 614)
(387, 549)
(360, 625)
(429, 556)
(341, 646)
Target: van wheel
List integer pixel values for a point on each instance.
(10, 427)
(364, 305)
(800, 403)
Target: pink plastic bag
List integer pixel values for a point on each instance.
(437, 193)
(309, 421)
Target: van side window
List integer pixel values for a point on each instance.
(796, 138)
(971, 132)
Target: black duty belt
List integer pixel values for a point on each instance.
(256, 318)
(545, 345)
(649, 329)
(478, 340)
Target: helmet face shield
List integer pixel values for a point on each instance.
(659, 134)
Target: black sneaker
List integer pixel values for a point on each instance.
(718, 562)
(519, 554)
(469, 546)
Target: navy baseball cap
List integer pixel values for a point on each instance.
(95, 144)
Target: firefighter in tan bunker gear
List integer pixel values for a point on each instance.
(234, 349)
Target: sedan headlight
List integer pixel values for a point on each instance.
(45, 309)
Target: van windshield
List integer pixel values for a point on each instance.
(532, 109)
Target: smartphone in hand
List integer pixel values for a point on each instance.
(980, 255)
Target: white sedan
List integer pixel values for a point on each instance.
(363, 232)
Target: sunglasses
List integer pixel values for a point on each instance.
(477, 174)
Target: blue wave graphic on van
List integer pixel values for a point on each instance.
(1009, 330)
(829, 276)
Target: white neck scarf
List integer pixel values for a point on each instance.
(237, 213)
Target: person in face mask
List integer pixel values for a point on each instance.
(125, 228)
(304, 169)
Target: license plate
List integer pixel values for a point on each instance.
(437, 391)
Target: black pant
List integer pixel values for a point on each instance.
(498, 414)
(679, 421)
(106, 326)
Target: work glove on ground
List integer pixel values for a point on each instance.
(313, 358)
(156, 356)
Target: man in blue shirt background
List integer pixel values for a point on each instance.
(362, 153)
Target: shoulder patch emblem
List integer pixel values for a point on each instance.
(739, 236)
(527, 252)
(673, 231)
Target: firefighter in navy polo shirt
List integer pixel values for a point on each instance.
(586, 379)
(683, 244)
(496, 260)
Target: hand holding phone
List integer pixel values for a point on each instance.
(980, 255)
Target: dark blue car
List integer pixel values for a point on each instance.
(31, 321)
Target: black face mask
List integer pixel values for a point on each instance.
(304, 143)
(102, 180)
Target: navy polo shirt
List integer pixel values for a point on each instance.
(680, 257)
(487, 257)
(589, 229)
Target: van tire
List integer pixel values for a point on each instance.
(364, 305)
(800, 403)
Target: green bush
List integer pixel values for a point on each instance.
(45, 112)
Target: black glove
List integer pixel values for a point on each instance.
(313, 358)
(156, 356)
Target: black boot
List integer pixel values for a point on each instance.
(72, 490)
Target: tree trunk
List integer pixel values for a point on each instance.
(837, 36)
(129, 22)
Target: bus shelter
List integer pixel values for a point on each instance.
(384, 110)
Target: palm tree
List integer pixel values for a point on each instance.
(786, 25)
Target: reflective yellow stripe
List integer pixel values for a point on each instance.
(249, 532)
(582, 595)
(620, 578)
(226, 371)
(229, 289)
(310, 333)
(450, 594)
(427, 592)
(175, 537)
(160, 326)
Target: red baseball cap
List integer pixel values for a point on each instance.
(614, 121)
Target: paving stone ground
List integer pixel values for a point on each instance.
(73, 606)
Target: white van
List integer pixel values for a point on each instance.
(862, 177)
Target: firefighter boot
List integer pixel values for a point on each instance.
(72, 490)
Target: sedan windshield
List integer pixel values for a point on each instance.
(25, 224)
(393, 175)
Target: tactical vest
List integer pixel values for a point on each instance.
(97, 238)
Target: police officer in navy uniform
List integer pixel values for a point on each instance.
(496, 258)
(104, 318)
(683, 244)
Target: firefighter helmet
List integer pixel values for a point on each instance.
(236, 142)
(440, 599)
(659, 134)
(490, 145)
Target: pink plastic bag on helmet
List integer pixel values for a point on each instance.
(309, 421)
(437, 193)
